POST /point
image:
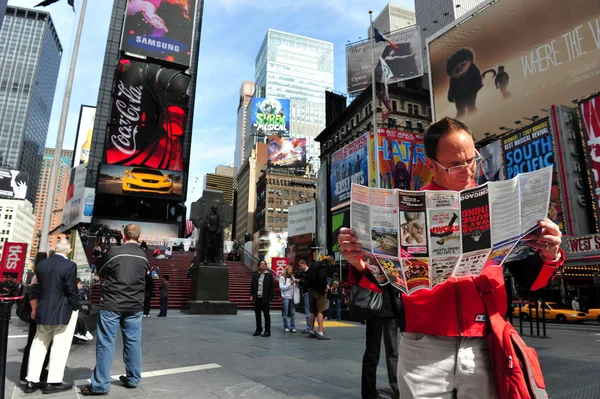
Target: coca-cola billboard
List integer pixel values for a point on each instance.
(148, 116)
(13, 260)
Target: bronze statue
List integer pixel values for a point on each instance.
(212, 238)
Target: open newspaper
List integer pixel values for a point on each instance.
(418, 239)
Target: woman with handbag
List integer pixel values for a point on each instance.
(288, 311)
(453, 344)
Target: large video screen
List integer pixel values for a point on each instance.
(349, 165)
(146, 209)
(85, 132)
(400, 63)
(140, 182)
(155, 234)
(148, 116)
(514, 58)
(286, 152)
(161, 29)
(13, 184)
(270, 116)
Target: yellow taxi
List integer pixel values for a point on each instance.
(553, 311)
(593, 315)
(146, 180)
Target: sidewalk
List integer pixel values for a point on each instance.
(187, 356)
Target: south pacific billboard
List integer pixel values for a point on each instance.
(160, 29)
(401, 157)
(513, 58)
(532, 148)
(270, 116)
(349, 165)
(148, 116)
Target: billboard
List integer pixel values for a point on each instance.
(270, 116)
(85, 129)
(532, 148)
(13, 260)
(76, 180)
(140, 182)
(148, 116)
(135, 208)
(302, 219)
(300, 247)
(349, 165)
(322, 197)
(491, 166)
(13, 184)
(79, 208)
(155, 234)
(339, 218)
(287, 152)
(589, 115)
(401, 63)
(161, 29)
(401, 157)
(513, 58)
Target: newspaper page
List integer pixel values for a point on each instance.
(505, 203)
(443, 234)
(414, 252)
(360, 222)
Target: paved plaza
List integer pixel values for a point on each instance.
(187, 356)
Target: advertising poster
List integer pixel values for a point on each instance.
(140, 182)
(413, 225)
(278, 265)
(286, 152)
(148, 116)
(155, 234)
(85, 130)
(322, 195)
(442, 269)
(349, 165)
(393, 271)
(403, 62)
(270, 116)
(299, 248)
(79, 209)
(13, 184)
(276, 245)
(475, 219)
(589, 111)
(339, 218)
(401, 157)
(302, 219)
(530, 55)
(416, 272)
(13, 260)
(384, 222)
(532, 148)
(161, 29)
(375, 268)
(471, 264)
(491, 165)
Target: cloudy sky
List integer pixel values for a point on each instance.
(232, 32)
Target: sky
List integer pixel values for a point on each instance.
(232, 32)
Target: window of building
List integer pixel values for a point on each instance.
(278, 220)
(410, 108)
(277, 210)
(286, 193)
(416, 108)
(270, 210)
(394, 105)
(270, 219)
(270, 200)
(271, 191)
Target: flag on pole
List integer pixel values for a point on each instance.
(48, 2)
(380, 37)
(386, 74)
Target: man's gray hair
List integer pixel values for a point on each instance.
(63, 246)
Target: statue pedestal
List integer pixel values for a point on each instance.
(209, 293)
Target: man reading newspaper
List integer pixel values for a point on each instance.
(443, 351)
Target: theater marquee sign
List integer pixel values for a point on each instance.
(581, 244)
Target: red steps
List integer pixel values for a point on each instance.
(240, 278)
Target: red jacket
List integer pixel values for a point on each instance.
(455, 307)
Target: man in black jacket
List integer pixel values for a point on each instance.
(56, 317)
(261, 294)
(123, 269)
(315, 280)
(148, 293)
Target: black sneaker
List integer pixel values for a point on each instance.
(31, 387)
(266, 334)
(256, 333)
(60, 387)
(322, 337)
(125, 381)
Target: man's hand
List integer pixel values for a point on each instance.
(549, 240)
(350, 248)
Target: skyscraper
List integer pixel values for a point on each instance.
(434, 15)
(246, 93)
(393, 17)
(301, 69)
(62, 183)
(30, 54)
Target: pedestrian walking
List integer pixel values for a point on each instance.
(443, 352)
(316, 281)
(261, 293)
(288, 311)
(56, 316)
(164, 297)
(124, 270)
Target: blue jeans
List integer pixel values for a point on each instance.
(131, 329)
(338, 308)
(288, 308)
(306, 310)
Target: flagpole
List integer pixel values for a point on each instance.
(374, 104)
(43, 243)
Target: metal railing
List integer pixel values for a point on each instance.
(249, 259)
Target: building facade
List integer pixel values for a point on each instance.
(393, 17)
(30, 55)
(245, 190)
(434, 15)
(16, 223)
(60, 194)
(221, 180)
(276, 192)
(246, 93)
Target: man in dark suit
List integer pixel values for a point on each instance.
(56, 317)
(261, 291)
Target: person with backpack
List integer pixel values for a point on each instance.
(315, 280)
(450, 339)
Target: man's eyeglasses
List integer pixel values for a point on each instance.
(454, 170)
